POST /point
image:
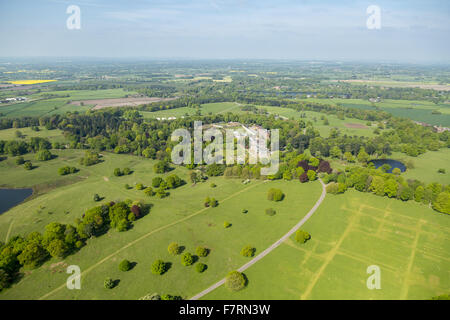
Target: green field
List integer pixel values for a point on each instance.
(426, 166)
(408, 241)
(214, 108)
(313, 117)
(415, 110)
(181, 217)
(38, 107)
(53, 135)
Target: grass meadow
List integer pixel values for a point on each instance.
(181, 217)
(408, 241)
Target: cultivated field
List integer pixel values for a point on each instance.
(119, 102)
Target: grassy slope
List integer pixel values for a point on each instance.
(408, 241)
(415, 110)
(52, 135)
(426, 166)
(160, 226)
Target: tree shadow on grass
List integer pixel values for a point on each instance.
(168, 265)
(115, 283)
(132, 265)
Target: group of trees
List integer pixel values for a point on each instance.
(60, 240)
(161, 185)
(211, 202)
(377, 181)
(90, 158)
(67, 170)
(20, 147)
(126, 171)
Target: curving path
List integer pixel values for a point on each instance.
(269, 249)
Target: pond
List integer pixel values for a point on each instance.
(393, 163)
(12, 197)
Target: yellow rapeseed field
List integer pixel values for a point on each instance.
(30, 81)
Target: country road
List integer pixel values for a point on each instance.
(272, 247)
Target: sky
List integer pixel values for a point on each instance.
(410, 31)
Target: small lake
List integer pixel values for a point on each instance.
(393, 163)
(12, 197)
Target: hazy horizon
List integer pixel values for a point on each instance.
(410, 31)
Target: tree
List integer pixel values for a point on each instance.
(174, 249)
(148, 191)
(118, 215)
(173, 181)
(57, 248)
(136, 211)
(193, 177)
(159, 267)
(302, 236)
(127, 171)
(32, 255)
(109, 283)
(117, 172)
(213, 203)
(442, 203)
(226, 224)
(275, 195)
(43, 155)
(156, 182)
(5, 279)
(377, 185)
(139, 186)
(200, 267)
(324, 166)
(335, 152)
(303, 177)
(349, 157)
(161, 167)
(270, 212)
(363, 156)
(215, 169)
(396, 171)
(201, 251)
(311, 175)
(405, 193)
(391, 188)
(125, 265)
(28, 165)
(248, 251)
(419, 193)
(235, 281)
(313, 161)
(187, 259)
(96, 197)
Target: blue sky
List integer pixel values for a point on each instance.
(411, 31)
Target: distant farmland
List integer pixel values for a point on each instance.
(120, 102)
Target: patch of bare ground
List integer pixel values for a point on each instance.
(58, 267)
(120, 102)
(355, 126)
